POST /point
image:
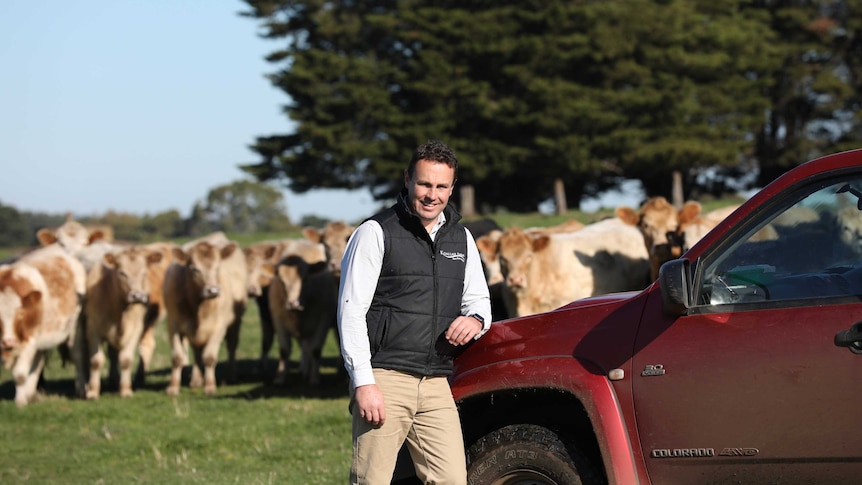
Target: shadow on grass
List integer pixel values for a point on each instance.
(333, 385)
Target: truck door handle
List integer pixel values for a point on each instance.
(852, 338)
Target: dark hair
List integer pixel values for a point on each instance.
(435, 151)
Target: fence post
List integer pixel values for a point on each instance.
(468, 201)
(560, 197)
(676, 195)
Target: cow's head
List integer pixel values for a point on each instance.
(72, 236)
(21, 308)
(203, 261)
(517, 250)
(130, 267)
(259, 265)
(489, 248)
(334, 237)
(288, 280)
(660, 224)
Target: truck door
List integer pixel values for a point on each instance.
(750, 386)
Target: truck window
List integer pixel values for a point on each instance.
(811, 249)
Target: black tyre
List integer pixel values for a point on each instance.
(525, 454)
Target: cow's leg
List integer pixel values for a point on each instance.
(125, 353)
(232, 342)
(113, 368)
(22, 373)
(284, 350)
(127, 357)
(314, 349)
(305, 360)
(35, 373)
(32, 380)
(80, 354)
(96, 359)
(178, 358)
(147, 344)
(197, 377)
(209, 359)
(267, 332)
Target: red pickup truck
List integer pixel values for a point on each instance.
(742, 363)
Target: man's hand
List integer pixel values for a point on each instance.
(369, 400)
(462, 330)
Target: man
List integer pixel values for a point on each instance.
(412, 291)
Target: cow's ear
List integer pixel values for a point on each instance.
(226, 251)
(95, 236)
(270, 250)
(154, 257)
(690, 210)
(109, 260)
(487, 245)
(628, 215)
(179, 255)
(30, 300)
(46, 237)
(541, 242)
(312, 234)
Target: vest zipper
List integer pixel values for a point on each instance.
(434, 317)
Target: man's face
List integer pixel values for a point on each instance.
(429, 190)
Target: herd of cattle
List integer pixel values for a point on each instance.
(81, 293)
(84, 294)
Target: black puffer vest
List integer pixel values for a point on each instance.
(418, 294)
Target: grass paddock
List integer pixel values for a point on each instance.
(250, 432)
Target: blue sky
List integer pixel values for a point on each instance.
(143, 106)
(137, 106)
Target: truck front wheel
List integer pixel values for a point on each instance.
(526, 454)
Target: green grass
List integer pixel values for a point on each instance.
(535, 219)
(250, 432)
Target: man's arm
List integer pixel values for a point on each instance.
(360, 270)
(475, 299)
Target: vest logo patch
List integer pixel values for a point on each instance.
(453, 256)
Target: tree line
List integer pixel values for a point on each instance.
(587, 91)
(243, 206)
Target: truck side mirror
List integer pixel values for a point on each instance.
(674, 277)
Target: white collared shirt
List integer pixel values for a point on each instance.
(360, 270)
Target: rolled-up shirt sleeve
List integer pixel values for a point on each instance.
(360, 270)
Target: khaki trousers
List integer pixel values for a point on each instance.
(421, 411)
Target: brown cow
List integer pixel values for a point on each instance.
(668, 232)
(71, 236)
(41, 298)
(302, 299)
(118, 294)
(262, 258)
(334, 238)
(205, 294)
(488, 245)
(547, 271)
(155, 307)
